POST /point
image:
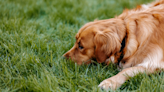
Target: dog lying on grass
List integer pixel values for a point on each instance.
(134, 40)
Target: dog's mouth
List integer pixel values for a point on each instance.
(93, 60)
(72, 59)
(89, 61)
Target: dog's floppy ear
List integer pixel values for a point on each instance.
(100, 42)
(106, 42)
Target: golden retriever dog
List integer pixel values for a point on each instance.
(134, 40)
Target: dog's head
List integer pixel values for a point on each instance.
(97, 40)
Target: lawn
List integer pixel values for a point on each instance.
(34, 34)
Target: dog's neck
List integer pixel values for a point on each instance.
(122, 50)
(118, 56)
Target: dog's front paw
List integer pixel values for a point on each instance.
(109, 84)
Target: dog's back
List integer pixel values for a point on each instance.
(145, 29)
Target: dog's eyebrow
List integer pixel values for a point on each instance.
(77, 36)
(80, 43)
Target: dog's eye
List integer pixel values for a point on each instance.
(80, 47)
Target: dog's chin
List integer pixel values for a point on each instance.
(87, 62)
(106, 62)
(83, 62)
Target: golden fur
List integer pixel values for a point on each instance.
(143, 31)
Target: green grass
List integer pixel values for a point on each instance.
(34, 34)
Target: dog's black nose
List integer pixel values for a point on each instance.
(63, 57)
(66, 56)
